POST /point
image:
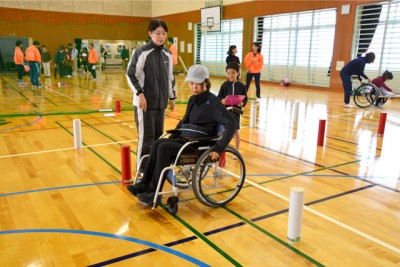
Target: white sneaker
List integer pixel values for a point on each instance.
(258, 100)
(234, 157)
(348, 106)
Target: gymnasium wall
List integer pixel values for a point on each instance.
(54, 28)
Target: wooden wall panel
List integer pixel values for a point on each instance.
(54, 28)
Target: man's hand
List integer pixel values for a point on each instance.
(171, 105)
(142, 102)
(214, 155)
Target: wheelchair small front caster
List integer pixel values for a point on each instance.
(172, 203)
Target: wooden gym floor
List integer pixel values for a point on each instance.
(65, 207)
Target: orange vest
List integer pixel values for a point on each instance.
(32, 54)
(18, 56)
(254, 63)
(174, 53)
(93, 56)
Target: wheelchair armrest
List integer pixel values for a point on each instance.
(235, 110)
(173, 131)
(207, 138)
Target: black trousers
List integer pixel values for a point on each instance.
(150, 126)
(163, 152)
(92, 70)
(256, 76)
(20, 70)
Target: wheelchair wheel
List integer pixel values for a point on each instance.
(172, 203)
(216, 183)
(364, 95)
(182, 177)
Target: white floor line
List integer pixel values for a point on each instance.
(373, 239)
(63, 149)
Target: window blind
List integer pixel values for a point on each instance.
(211, 47)
(377, 29)
(298, 46)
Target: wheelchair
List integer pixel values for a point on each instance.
(368, 94)
(214, 182)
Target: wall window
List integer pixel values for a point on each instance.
(211, 47)
(298, 46)
(377, 30)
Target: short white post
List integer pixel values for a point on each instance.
(77, 134)
(296, 111)
(295, 214)
(252, 115)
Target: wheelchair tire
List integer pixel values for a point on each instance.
(216, 183)
(365, 95)
(172, 203)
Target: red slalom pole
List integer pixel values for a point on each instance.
(222, 160)
(126, 164)
(321, 132)
(117, 106)
(382, 123)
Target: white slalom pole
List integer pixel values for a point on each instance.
(296, 111)
(252, 115)
(77, 134)
(295, 214)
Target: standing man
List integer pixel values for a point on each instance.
(124, 57)
(354, 67)
(59, 62)
(150, 75)
(92, 59)
(34, 59)
(74, 59)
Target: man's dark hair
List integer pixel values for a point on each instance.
(370, 57)
(18, 43)
(36, 43)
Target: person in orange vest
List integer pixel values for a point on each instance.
(254, 62)
(174, 52)
(33, 57)
(92, 59)
(19, 61)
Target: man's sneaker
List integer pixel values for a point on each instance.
(348, 106)
(137, 188)
(147, 198)
(234, 157)
(258, 100)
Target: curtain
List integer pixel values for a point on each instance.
(369, 21)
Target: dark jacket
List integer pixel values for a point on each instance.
(232, 58)
(233, 88)
(355, 67)
(151, 71)
(207, 111)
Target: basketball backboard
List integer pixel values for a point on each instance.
(211, 19)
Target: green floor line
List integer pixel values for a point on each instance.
(102, 133)
(91, 149)
(21, 94)
(198, 234)
(307, 172)
(275, 238)
(204, 238)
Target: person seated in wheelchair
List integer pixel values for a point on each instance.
(384, 90)
(204, 113)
